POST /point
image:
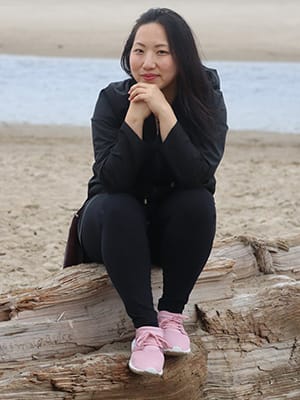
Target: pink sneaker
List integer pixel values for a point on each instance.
(178, 342)
(147, 357)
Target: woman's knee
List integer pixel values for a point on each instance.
(122, 208)
(110, 216)
(112, 209)
(193, 205)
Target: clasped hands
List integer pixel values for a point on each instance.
(148, 98)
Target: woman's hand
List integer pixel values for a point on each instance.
(154, 98)
(137, 112)
(150, 95)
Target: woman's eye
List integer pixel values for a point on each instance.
(138, 51)
(162, 52)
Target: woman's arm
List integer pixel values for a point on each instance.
(118, 150)
(193, 164)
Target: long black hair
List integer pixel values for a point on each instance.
(194, 90)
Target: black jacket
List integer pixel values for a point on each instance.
(149, 168)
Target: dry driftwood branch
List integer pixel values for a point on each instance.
(69, 338)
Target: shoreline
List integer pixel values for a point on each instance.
(205, 61)
(219, 57)
(19, 130)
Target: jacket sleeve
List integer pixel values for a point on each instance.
(118, 151)
(194, 164)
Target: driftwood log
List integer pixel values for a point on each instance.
(70, 337)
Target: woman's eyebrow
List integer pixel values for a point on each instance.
(157, 45)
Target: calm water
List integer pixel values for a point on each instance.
(44, 90)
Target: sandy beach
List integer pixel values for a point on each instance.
(226, 30)
(45, 169)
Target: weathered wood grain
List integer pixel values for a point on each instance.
(69, 338)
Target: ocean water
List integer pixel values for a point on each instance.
(47, 90)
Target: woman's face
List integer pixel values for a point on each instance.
(151, 60)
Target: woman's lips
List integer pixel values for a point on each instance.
(149, 77)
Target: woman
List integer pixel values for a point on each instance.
(158, 138)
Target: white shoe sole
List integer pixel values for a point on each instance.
(148, 371)
(176, 351)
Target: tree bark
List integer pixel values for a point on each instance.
(70, 337)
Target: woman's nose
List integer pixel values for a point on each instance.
(149, 61)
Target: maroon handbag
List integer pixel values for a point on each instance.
(73, 251)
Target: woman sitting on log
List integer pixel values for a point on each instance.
(158, 138)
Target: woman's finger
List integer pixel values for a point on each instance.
(136, 92)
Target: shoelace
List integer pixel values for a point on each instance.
(150, 339)
(174, 322)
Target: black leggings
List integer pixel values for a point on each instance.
(175, 233)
